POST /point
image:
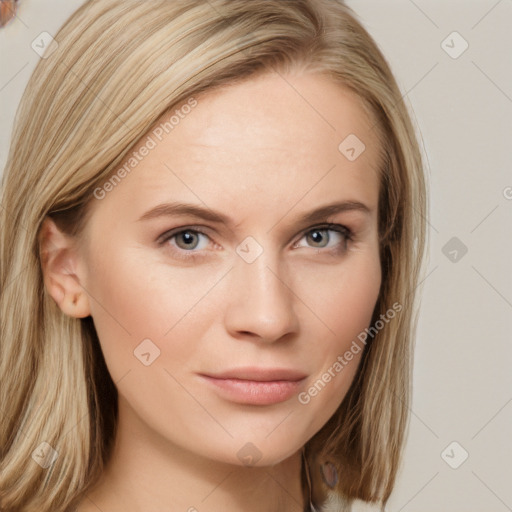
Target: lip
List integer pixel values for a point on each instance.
(256, 386)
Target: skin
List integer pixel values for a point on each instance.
(263, 153)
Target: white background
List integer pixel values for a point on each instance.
(462, 108)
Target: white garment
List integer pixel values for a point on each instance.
(334, 504)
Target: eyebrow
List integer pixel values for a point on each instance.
(316, 215)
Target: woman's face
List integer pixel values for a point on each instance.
(222, 314)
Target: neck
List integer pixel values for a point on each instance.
(146, 472)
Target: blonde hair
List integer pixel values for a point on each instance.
(118, 67)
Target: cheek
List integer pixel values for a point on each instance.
(137, 299)
(344, 296)
(354, 299)
(344, 301)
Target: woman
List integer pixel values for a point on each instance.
(212, 232)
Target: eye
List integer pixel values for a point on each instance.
(185, 244)
(188, 243)
(187, 239)
(321, 236)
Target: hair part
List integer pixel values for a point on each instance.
(84, 108)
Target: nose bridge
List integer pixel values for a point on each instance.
(260, 301)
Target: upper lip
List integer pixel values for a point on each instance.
(259, 374)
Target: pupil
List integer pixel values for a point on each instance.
(188, 238)
(317, 236)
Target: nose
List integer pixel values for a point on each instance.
(261, 303)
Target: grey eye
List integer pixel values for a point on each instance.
(190, 239)
(318, 239)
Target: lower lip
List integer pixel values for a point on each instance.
(251, 392)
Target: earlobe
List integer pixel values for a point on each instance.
(59, 264)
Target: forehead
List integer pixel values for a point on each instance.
(275, 137)
(290, 114)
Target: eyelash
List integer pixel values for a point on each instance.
(335, 251)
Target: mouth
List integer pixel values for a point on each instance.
(256, 386)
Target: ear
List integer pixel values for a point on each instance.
(59, 262)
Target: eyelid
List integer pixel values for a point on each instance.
(164, 237)
(329, 226)
(182, 254)
(200, 229)
(192, 256)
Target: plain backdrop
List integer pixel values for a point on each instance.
(453, 62)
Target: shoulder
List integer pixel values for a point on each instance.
(336, 503)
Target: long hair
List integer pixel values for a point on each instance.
(117, 67)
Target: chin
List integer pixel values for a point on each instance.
(258, 450)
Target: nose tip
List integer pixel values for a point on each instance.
(261, 304)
